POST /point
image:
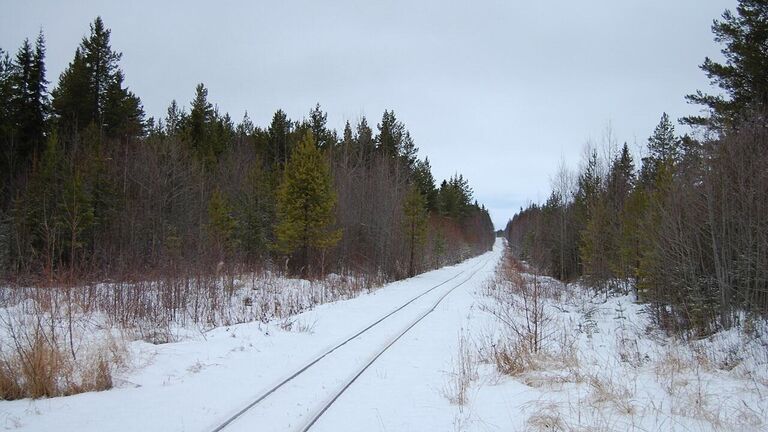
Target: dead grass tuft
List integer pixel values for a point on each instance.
(37, 361)
(463, 373)
(547, 419)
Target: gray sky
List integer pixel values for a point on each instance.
(499, 91)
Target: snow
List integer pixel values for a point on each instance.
(206, 377)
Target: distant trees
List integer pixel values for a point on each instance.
(93, 190)
(690, 229)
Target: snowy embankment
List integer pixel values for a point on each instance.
(551, 357)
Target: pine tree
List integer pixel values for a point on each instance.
(305, 203)
(744, 76)
(415, 224)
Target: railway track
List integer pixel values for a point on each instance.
(314, 415)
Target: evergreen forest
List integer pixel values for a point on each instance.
(94, 189)
(686, 223)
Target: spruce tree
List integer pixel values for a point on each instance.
(664, 148)
(425, 183)
(454, 197)
(71, 103)
(621, 179)
(123, 115)
(7, 150)
(245, 128)
(28, 100)
(394, 141)
(585, 202)
(318, 122)
(174, 119)
(278, 144)
(90, 90)
(6, 68)
(102, 64)
(305, 203)
(198, 127)
(366, 143)
(349, 149)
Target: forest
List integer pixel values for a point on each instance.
(93, 189)
(686, 225)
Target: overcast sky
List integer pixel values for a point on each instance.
(499, 91)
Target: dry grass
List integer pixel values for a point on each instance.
(37, 362)
(599, 367)
(291, 324)
(547, 419)
(48, 345)
(463, 373)
(529, 341)
(612, 391)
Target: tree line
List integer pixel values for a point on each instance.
(687, 225)
(93, 189)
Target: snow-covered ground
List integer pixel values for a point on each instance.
(603, 366)
(617, 373)
(207, 376)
